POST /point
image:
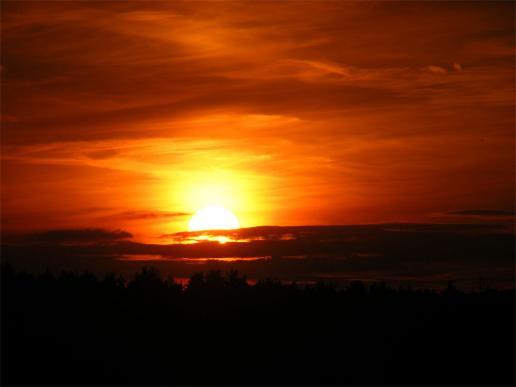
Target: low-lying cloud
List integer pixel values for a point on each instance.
(77, 235)
(417, 253)
(482, 213)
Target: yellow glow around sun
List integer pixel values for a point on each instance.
(213, 218)
(231, 189)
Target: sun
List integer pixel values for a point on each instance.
(213, 218)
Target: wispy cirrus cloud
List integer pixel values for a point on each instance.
(326, 112)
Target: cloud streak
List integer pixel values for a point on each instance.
(482, 213)
(149, 215)
(78, 235)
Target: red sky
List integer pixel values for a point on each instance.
(134, 115)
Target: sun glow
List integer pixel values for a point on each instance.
(213, 218)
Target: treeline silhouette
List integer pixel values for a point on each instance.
(77, 329)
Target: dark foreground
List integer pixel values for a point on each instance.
(77, 330)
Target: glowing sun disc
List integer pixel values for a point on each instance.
(213, 218)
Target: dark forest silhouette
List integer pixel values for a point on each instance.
(77, 329)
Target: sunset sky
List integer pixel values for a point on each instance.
(134, 115)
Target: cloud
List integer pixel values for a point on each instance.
(326, 108)
(148, 214)
(418, 253)
(458, 67)
(7, 118)
(102, 154)
(482, 213)
(163, 61)
(78, 236)
(437, 69)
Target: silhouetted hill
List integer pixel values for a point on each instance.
(77, 329)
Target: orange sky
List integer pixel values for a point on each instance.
(134, 115)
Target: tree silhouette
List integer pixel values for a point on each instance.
(152, 331)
